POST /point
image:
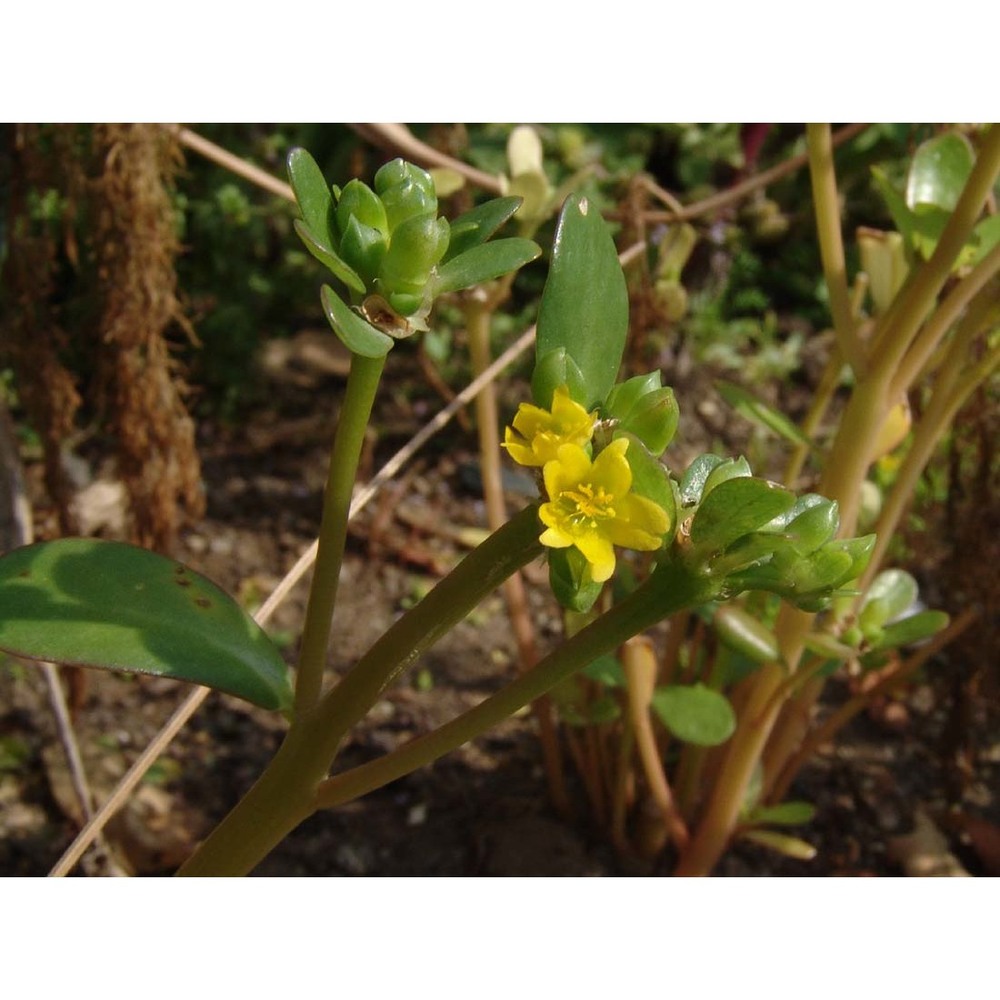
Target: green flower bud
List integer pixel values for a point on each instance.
(654, 420)
(813, 527)
(358, 201)
(363, 247)
(405, 303)
(570, 580)
(645, 409)
(398, 172)
(729, 468)
(415, 248)
(808, 582)
(554, 369)
(624, 396)
(406, 191)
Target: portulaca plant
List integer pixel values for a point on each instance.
(596, 444)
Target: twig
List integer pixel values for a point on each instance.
(233, 163)
(396, 138)
(57, 699)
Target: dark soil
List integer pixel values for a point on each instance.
(482, 810)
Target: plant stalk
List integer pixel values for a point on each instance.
(672, 587)
(285, 793)
(362, 383)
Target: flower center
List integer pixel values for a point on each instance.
(590, 504)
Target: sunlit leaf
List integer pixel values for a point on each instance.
(312, 193)
(340, 268)
(891, 593)
(479, 224)
(746, 634)
(484, 263)
(584, 308)
(119, 607)
(357, 335)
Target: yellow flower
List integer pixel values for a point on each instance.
(591, 506)
(537, 434)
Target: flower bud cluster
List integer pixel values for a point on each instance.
(392, 237)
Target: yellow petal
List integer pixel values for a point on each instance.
(598, 551)
(611, 469)
(566, 471)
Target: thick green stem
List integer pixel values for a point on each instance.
(672, 587)
(362, 384)
(285, 794)
(479, 574)
(281, 799)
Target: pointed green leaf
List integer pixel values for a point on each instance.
(695, 714)
(735, 508)
(340, 268)
(484, 263)
(477, 226)
(313, 195)
(584, 306)
(357, 335)
(758, 412)
(119, 607)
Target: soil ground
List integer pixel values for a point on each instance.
(482, 810)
